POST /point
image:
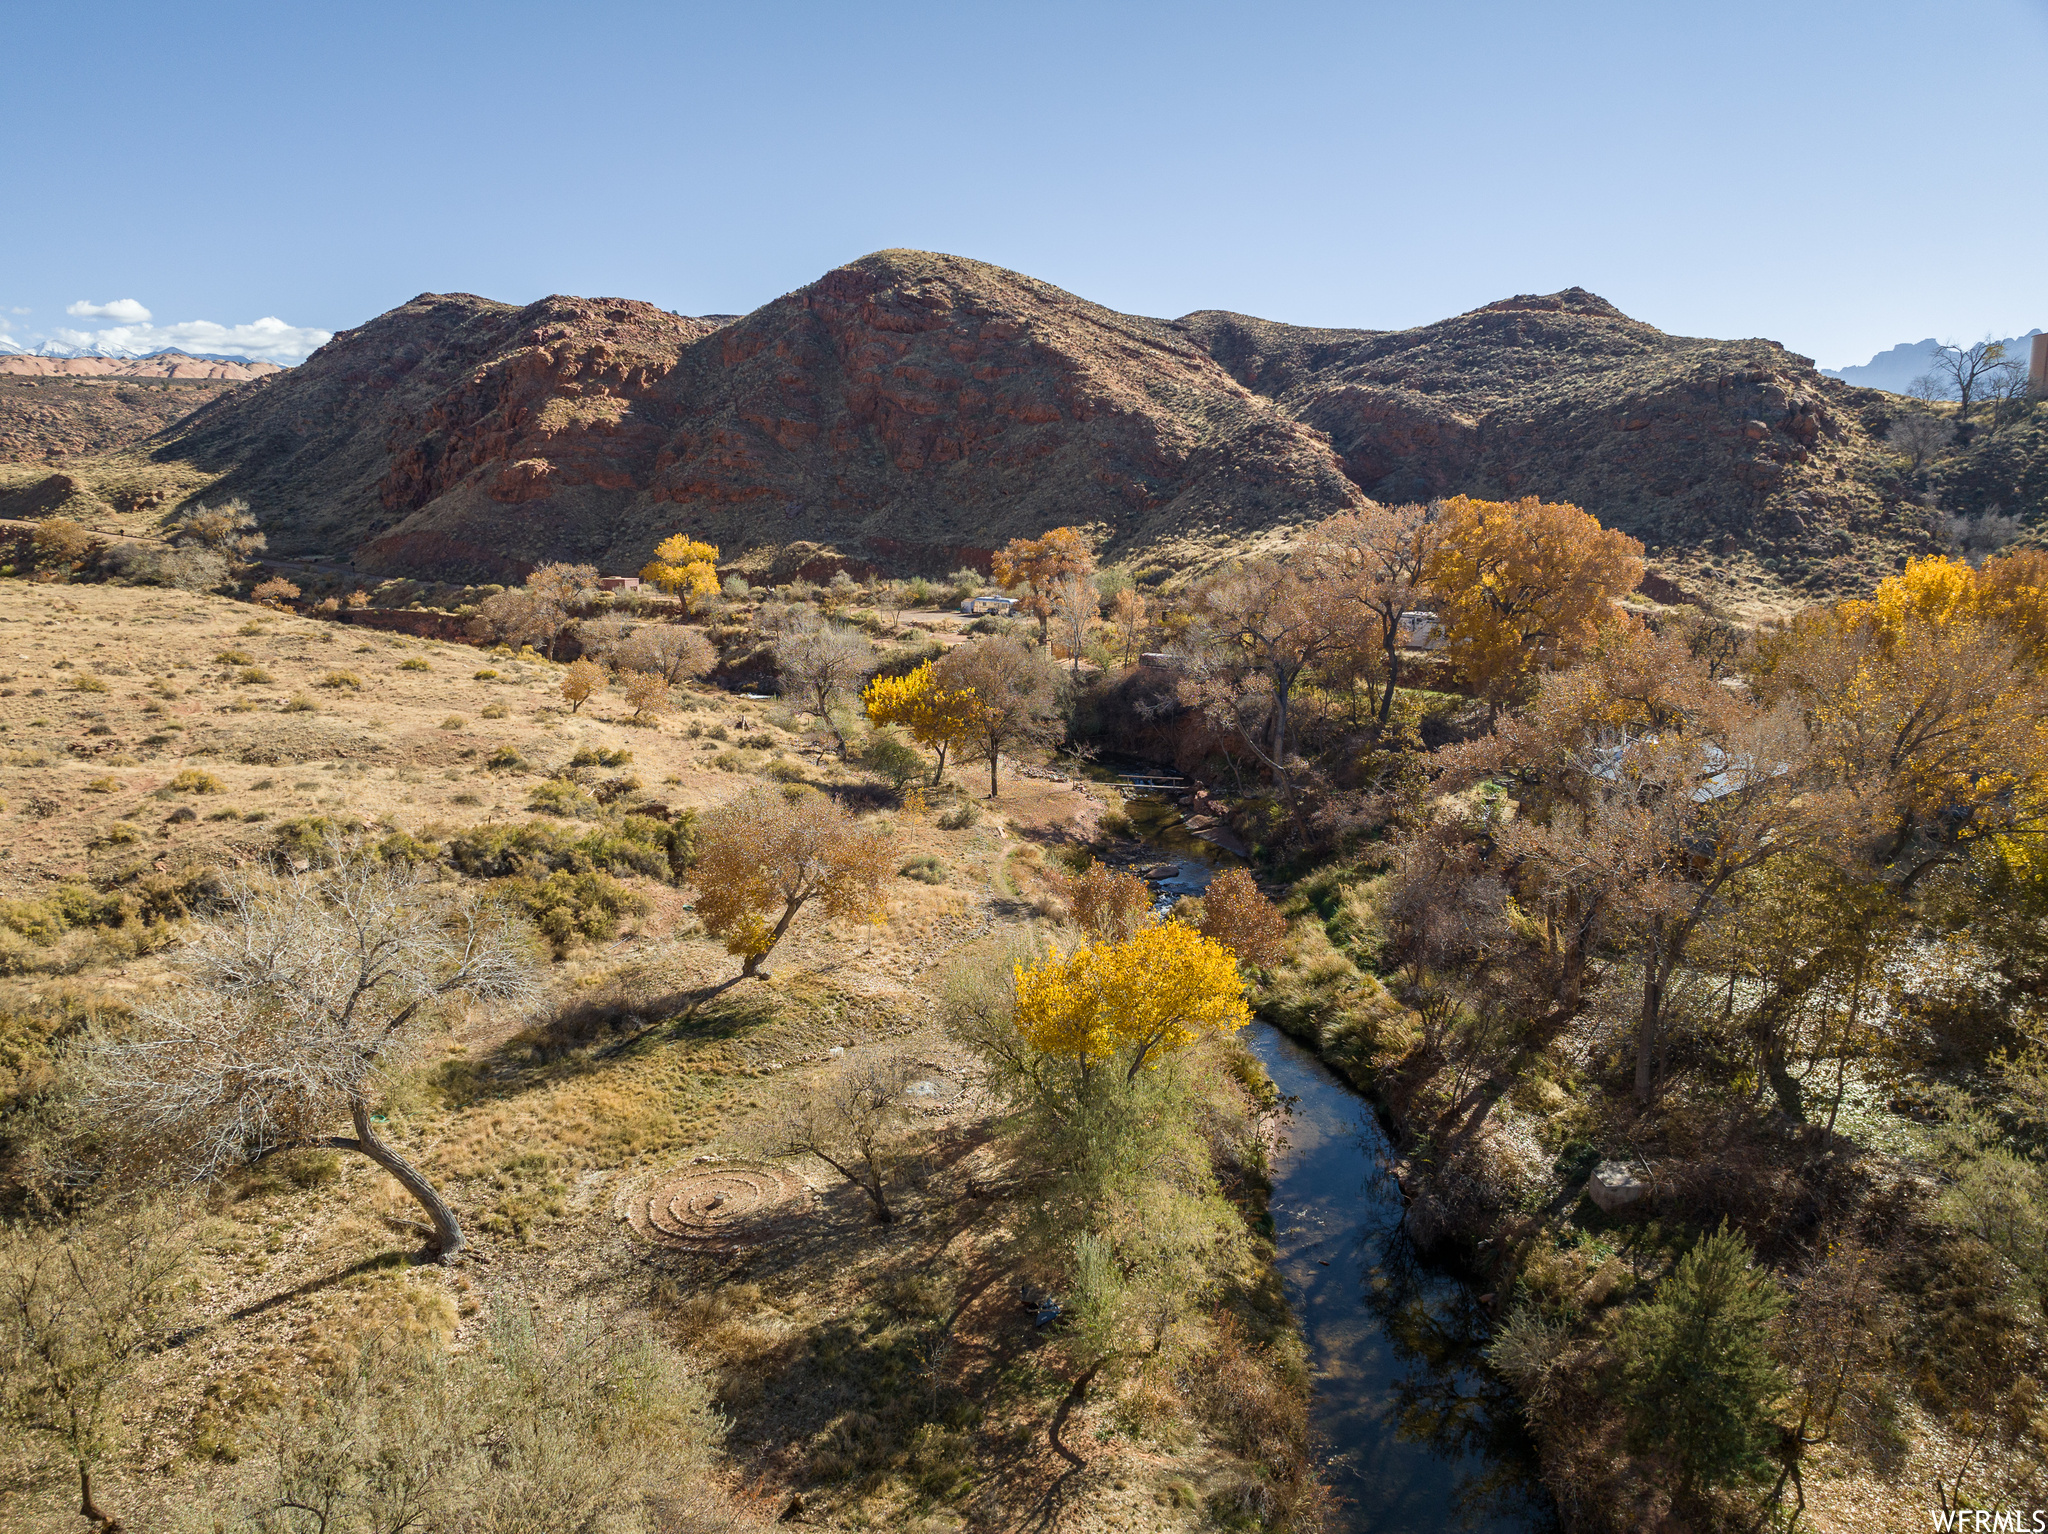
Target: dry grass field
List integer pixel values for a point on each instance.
(152, 740)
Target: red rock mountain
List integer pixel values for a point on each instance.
(914, 410)
(908, 409)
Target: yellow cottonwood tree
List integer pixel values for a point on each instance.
(683, 567)
(935, 717)
(1131, 1002)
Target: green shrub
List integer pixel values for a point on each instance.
(505, 759)
(558, 796)
(342, 679)
(566, 906)
(602, 756)
(253, 676)
(194, 781)
(311, 838)
(488, 674)
(637, 844)
(85, 681)
(960, 817)
(924, 868)
(495, 711)
(414, 663)
(301, 704)
(454, 722)
(888, 755)
(235, 658)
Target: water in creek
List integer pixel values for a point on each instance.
(1418, 1435)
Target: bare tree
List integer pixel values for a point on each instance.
(1015, 696)
(537, 612)
(766, 857)
(80, 1308)
(1963, 373)
(1372, 563)
(1128, 611)
(820, 660)
(1271, 618)
(1919, 434)
(670, 651)
(602, 637)
(295, 999)
(1075, 607)
(229, 529)
(851, 1124)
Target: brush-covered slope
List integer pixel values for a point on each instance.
(1686, 443)
(906, 409)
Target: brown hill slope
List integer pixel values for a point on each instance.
(912, 409)
(908, 408)
(62, 417)
(1685, 443)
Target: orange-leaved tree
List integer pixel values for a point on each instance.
(1371, 566)
(764, 857)
(1236, 915)
(1523, 586)
(937, 718)
(1108, 902)
(1127, 1005)
(1040, 564)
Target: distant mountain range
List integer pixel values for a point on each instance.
(1898, 369)
(117, 353)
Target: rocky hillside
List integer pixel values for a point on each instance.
(912, 410)
(1698, 447)
(46, 418)
(908, 409)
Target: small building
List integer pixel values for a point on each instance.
(618, 583)
(1000, 606)
(1419, 631)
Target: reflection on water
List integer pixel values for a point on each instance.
(1420, 1436)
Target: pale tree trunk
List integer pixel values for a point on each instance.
(754, 961)
(1653, 1006)
(448, 1238)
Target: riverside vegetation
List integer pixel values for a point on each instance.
(1744, 919)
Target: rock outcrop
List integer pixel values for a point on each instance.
(912, 410)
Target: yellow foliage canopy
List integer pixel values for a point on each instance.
(1524, 584)
(936, 718)
(1158, 990)
(683, 566)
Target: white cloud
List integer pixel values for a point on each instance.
(126, 310)
(267, 340)
(17, 309)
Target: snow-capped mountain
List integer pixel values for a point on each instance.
(60, 349)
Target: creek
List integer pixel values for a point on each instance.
(1417, 1434)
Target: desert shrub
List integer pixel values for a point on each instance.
(637, 844)
(312, 839)
(454, 722)
(254, 676)
(342, 679)
(960, 817)
(558, 796)
(553, 1423)
(85, 681)
(488, 674)
(414, 663)
(276, 590)
(193, 780)
(566, 906)
(494, 711)
(924, 868)
(299, 703)
(782, 770)
(505, 759)
(601, 756)
(235, 658)
(193, 568)
(888, 755)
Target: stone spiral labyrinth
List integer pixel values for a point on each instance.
(719, 1205)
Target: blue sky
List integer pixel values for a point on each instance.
(1837, 176)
